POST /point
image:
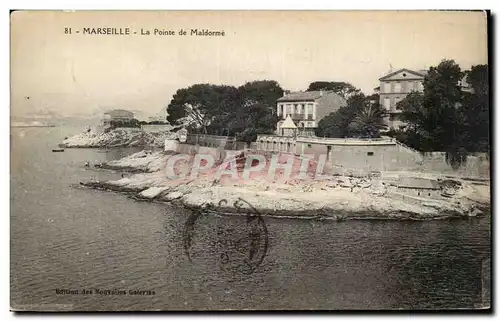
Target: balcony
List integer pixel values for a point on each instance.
(298, 117)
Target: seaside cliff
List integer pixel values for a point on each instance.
(331, 197)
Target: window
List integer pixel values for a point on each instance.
(387, 103)
(369, 153)
(421, 86)
(404, 74)
(387, 87)
(309, 145)
(415, 85)
(397, 87)
(309, 109)
(299, 108)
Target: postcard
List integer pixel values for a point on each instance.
(250, 161)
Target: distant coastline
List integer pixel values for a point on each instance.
(30, 123)
(27, 125)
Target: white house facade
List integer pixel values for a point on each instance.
(305, 110)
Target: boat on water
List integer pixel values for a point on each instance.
(58, 150)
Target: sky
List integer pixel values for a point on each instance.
(82, 74)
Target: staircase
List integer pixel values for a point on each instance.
(412, 151)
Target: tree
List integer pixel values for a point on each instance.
(478, 79)
(369, 121)
(343, 89)
(447, 117)
(336, 124)
(208, 107)
(227, 102)
(412, 108)
(129, 123)
(476, 109)
(434, 117)
(176, 109)
(264, 92)
(226, 110)
(441, 118)
(257, 119)
(257, 113)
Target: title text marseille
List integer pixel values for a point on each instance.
(156, 32)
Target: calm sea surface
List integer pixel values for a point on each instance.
(64, 237)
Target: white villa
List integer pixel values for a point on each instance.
(305, 109)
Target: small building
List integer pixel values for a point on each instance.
(288, 127)
(306, 109)
(423, 187)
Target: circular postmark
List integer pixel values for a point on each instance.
(237, 244)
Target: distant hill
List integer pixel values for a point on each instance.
(92, 117)
(31, 124)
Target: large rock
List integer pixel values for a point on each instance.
(152, 192)
(173, 196)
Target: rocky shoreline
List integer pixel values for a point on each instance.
(115, 138)
(309, 214)
(333, 198)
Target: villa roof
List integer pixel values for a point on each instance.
(418, 183)
(288, 123)
(420, 73)
(304, 95)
